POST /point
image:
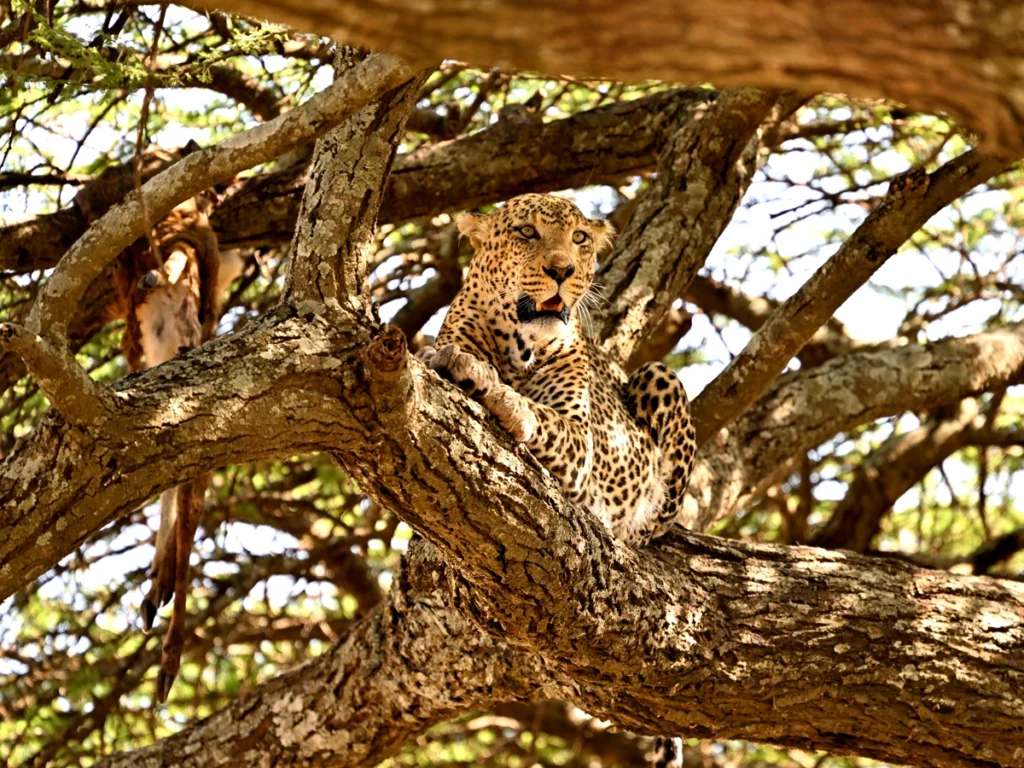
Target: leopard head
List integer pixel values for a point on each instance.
(537, 252)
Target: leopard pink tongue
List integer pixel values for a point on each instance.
(554, 304)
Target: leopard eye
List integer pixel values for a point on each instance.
(527, 231)
(580, 237)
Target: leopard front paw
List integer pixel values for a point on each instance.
(473, 376)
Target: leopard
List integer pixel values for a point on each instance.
(514, 339)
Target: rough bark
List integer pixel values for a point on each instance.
(408, 665)
(793, 646)
(334, 234)
(674, 637)
(956, 56)
(61, 482)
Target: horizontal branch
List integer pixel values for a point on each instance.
(959, 58)
(258, 366)
(604, 145)
(61, 484)
(170, 71)
(707, 638)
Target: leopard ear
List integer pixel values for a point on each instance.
(603, 233)
(473, 226)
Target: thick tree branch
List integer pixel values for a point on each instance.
(804, 409)
(119, 227)
(768, 643)
(60, 484)
(695, 615)
(703, 171)
(961, 58)
(284, 366)
(912, 199)
(409, 664)
(351, 163)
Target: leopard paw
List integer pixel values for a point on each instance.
(473, 376)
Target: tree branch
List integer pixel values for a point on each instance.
(168, 73)
(601, 146)
(714, 297)
(80, 400)
(121, 226)
(912, 199)
(335, 226)
(703, 171)
(768, 643)
(60, 484)
(999, 550)
(409, 664)
(804, 409)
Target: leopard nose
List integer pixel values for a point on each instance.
(560, 274)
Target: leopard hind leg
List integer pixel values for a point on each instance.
(655, 395)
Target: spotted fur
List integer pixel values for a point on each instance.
(513, 339)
